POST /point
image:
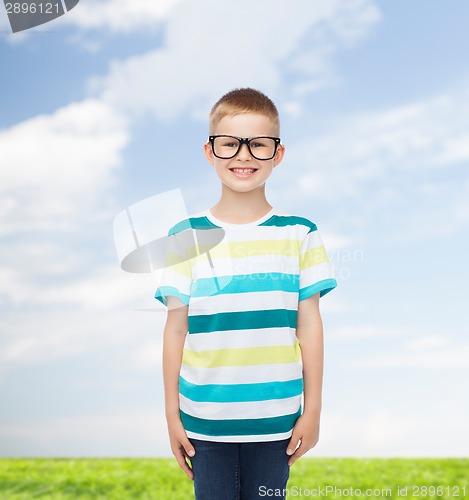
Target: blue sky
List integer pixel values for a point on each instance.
(108, 105)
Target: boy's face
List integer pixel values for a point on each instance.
(243, 172)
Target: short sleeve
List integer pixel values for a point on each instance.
(316, 270)
(176, 277)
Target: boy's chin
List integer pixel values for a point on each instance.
(243, 189)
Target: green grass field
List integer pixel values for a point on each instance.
(161, 479)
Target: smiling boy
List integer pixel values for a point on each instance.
(237, 363)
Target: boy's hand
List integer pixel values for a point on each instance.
(180, 445)
(306, 431)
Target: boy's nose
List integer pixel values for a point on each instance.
(243, 153)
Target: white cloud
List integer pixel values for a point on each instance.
(103, 288)
(120, 16)
(417, 348)
(58, 301)
(371, 331)
(115, 16)
(428, 342)
(129, 433)
(377, 433)
(35, 337)
(391, 433)
(399, 164)
(293, 109)
(411, 138)
(209, 48)
(148, 357)
(442, 204)
(58, 166)
(426, 357)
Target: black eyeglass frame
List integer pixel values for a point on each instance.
(247, 141)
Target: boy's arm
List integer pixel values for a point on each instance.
(173, 343)
(309, 331)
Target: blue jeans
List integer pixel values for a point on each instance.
(239, 471)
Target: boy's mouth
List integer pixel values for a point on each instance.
(243, 172)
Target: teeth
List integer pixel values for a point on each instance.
(243, 170)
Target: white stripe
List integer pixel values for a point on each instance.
(240, 439)
(316, 273)
(242, 374)
(259, 233)
(254, 264)
(235, 339)
(312, 240)
(235, 302)
(169, 277)
(241, 410)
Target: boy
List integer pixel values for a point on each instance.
(234, 384)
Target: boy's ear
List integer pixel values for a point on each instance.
(279, 154)
(209, 153)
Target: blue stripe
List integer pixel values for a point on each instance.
(243, 320)
(244, 283)
(164, 291)
(191, 223)
(239, 427)
(275, 220)
(235, 393)
(323, 286)
(289, 220)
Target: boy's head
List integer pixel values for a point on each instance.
(244, 144)
(244, 100)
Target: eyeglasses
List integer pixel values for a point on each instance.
(228, 146)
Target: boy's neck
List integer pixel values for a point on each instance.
(241, 208)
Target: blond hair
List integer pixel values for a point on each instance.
(243, 100)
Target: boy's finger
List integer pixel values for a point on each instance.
(188, 448)
(300, 451)
(181, 460)
(292, 444)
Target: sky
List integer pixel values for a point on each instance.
(107, 106)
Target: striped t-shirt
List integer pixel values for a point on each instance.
(241, 374)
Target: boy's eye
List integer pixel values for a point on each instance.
(228, 143)
(257, 145)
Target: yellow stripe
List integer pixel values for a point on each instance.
(240, 249)
(245, 356)
(174, 263)
(243, 249)
(252, 248)
(313, 257)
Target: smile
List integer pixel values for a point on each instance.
(243, 172)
